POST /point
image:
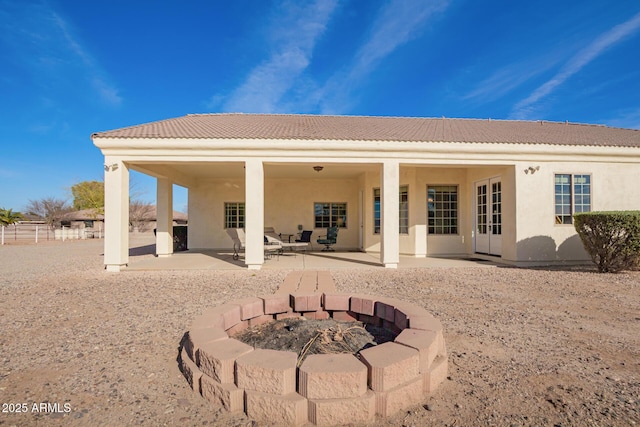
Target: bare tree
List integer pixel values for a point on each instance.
(141, 214)
(49, 209)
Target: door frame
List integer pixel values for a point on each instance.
(493, 241)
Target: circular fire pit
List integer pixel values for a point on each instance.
(325, 389)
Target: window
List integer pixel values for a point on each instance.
(573, 195)
(442, 205)
(233, 215)
(330, 215)
(403, 210)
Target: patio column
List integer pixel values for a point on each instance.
(164, 217)
(254, 214)
(390, 200)
(116, 213)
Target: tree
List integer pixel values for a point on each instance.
(49, 209)
(140, 214)
(7, 216)
(88, 195)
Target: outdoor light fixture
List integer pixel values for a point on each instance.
(318, 168)
(532, 169)
(111, 167)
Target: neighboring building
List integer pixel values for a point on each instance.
(90, 222)
(414, 186)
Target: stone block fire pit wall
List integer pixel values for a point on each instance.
(326, 389)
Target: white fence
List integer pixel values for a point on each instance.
(25, 233)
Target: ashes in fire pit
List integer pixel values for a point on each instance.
(309, 336)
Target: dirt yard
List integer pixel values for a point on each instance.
(527, 347)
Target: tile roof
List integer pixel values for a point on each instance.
(369, 128)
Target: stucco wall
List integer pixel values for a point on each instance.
(539, 238)
(288, 202)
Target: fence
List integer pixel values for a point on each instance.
(25, 233)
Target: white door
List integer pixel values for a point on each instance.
(489, 216)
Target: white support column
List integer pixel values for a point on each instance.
(254, 214)
(390, 201)
(164, 217)
(116, 212)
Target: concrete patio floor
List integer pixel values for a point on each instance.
(141, 259)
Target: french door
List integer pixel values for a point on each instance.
(489, 216)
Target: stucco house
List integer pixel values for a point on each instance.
(398, 186)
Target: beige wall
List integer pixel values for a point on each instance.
(529, 236)
(288, 202)
(539, 238)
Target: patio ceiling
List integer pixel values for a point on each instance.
(235, 170)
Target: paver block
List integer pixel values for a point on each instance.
(267, 371)
(363, 304)
(332, 376)
(401, 320)
(261, 320)
(400, 397)
(190, 371)
(218, 361)
(306, 301)
(336, 301)
(290, 409)
(325, 282)
(390, 365)
(288, 315)
(227, 395)
(343, 411)
(290, 283)
(249, 307)
(278, 303)
(425, 323)
(308, 282)
(385, 311)
(223, 316)
(436, 374)
(238, 327)
(318, 315)
(345, 316)
(426, 342)
(197, 337)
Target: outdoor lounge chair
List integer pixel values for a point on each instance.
(271, 237)
(329, 239)
(238, 237)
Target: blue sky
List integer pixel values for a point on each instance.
(69, 68)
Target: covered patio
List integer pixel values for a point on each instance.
(142, 259)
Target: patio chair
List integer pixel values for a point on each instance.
(273, 238)
(305, 237)
(329, 239)
(237, 235)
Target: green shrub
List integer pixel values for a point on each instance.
(611, 238)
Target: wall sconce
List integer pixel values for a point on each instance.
(532, 169)
(318, 168)
(112, 167)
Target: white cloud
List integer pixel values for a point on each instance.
(294, 36)
(629, 119)
(576, 63)
(42, 42)
(397, 23)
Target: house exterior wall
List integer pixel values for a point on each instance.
(288, 202)
(539, 239)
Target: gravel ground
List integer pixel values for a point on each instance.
(526, 346)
